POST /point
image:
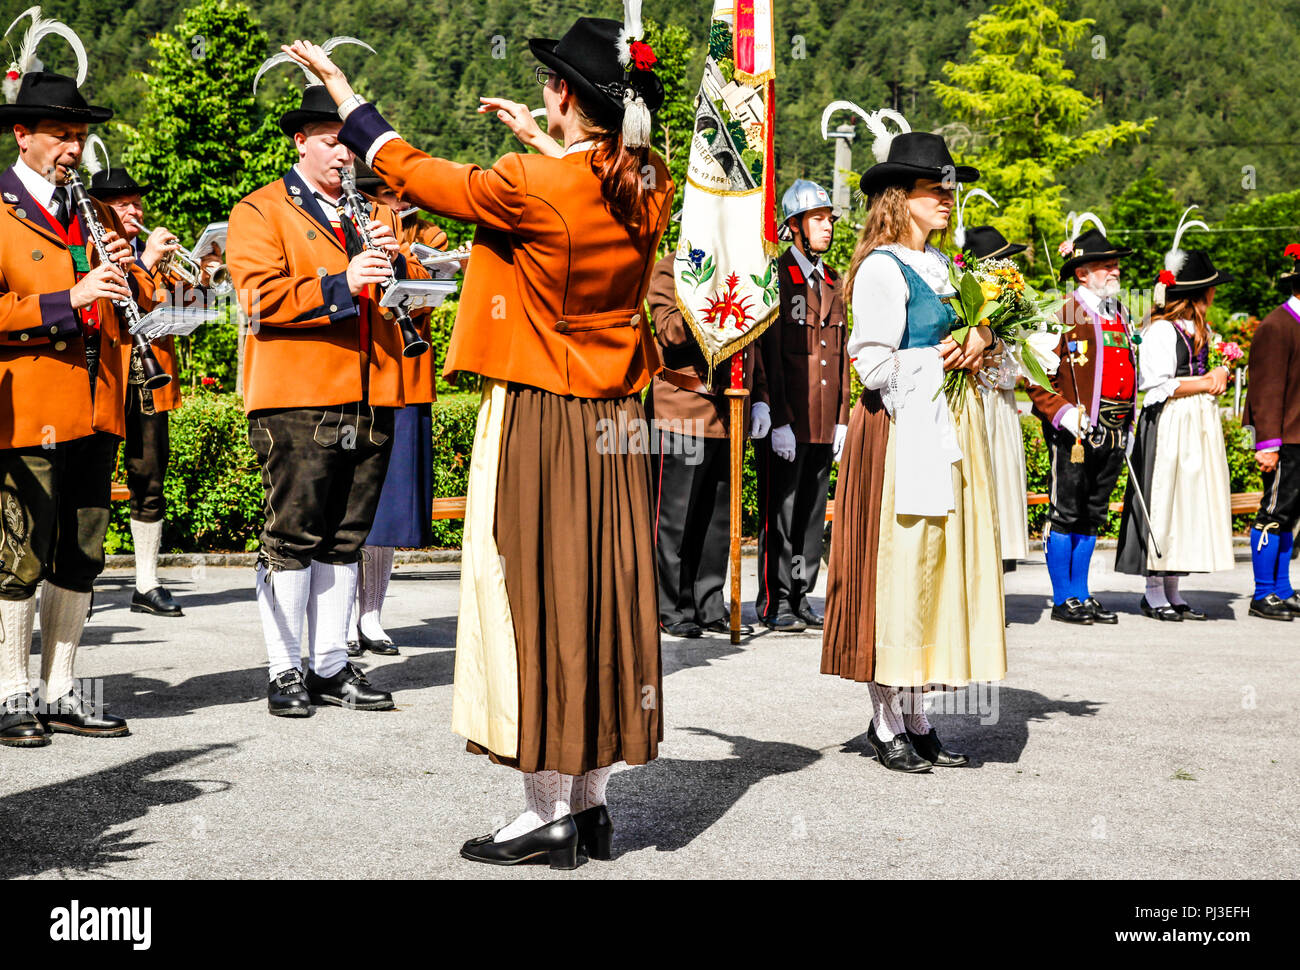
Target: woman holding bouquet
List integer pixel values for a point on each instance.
(1178, 451)
(914, 594)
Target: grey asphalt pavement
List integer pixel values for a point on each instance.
(1140, 750)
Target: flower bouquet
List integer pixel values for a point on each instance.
(994, 292)
(1223, 353)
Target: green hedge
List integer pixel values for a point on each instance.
(214, 488)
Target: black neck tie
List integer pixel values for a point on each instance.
(60, 206)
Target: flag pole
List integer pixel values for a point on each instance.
(736, 394)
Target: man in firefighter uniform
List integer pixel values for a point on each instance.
(690, 425)
(63, 356)
(322, 375)
(808, 383)
(1087, 415)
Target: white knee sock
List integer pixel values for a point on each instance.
(1156, 591)
(886, 709)
(589, 790)
(333, 597)
(63, 617)
(546, 798)
(16, 620)
(1171, 591)
(376, 567)
(147, 537)
(914, 718)
(282, 601)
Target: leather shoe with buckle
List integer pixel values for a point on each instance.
(19, 725)
(286, 695)
(73, 714)
(1166, 612)
(1099, 613)
(686, 629)
(557, 842)
(157, 601)
(1292, 603)
(1189, 612)
(347, 688)
(382, 647)
(1271, 607)
(785, 622)
(929, 747)
(1072, 611)
(595, 830)
(723, 626)
(897, 754)
(809, 617)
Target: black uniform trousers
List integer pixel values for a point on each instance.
(1279, 507)
(148, 449)
(692, 480)
(1080, 493)
(54, 507)
(322, 472)
(791, 524)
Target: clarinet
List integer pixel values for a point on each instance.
(413, 345)
(154, 376)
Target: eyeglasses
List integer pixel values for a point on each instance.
(544, 75)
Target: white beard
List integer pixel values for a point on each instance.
(1108, 289)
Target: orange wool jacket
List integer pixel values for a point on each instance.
(45, 394)
(290, 274)
(555, 289)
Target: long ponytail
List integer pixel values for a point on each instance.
(623, 174)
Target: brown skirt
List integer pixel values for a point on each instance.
(574, 533)
(848, 643)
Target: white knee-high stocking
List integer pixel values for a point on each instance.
(887, 710)
(332, 599)
(1156, 591)
(1171, 591)
(914, 718)
(376, 568)
(282, 602)
(546, 798)
(63, 617)
(589, 790)
(147, 537)
(17, 618)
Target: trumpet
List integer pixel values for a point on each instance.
(413, 345)
(154, 376)
(185, 266)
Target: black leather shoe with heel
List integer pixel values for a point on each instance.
(1166, 613)
(898, 753)
(929, 747)
(595, 830)
(1072, 611)
(158, 601)
(556, 842)
(347, 688)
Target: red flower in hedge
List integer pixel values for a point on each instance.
(208, 381)
(1166, 277)
(1293, 251)
(643, 57)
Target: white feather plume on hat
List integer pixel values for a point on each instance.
(959, 235)
(93, 166)
(27, 62)
(630, 31)
(1177, 257)
(875, 120)
(283, 58)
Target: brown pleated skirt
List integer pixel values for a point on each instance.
(574, 532)
(848, 642)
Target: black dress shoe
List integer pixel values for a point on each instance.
(1072, 611)
(286, 695)
(157, 601)
(806, 614)
(73, 714)
(383, 647)
(595, 829)
(898, 753)
(355, 649)
(785, 622)
(1099, 613)
(348, 688)
(1271, 607)
(556, 842)
(929, 747)
(1292, 603)
(686, 629)
(724, 626)
(1165, 612)
(1188, 612)
(19, 725)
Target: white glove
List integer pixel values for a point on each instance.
(1070, 422)
(841, 432)
(760, 421)
(783, 442)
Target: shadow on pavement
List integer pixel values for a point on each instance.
(64, 827)
(667, 803)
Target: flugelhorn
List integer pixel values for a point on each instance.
(185, 266)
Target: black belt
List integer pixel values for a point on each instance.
(1114, 414)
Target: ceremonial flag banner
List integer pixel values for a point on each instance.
(725, 263)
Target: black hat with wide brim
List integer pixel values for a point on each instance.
(114, 183)
(1198, 274)
(985, 242)
(54, 97)
(915, 155)
(1091, 247)
(317, 106)
(365, 178)
(587, 58)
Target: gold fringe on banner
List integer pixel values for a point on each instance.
(754, 80)
(725, 193)
(740, 343)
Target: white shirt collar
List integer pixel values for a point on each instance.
(1294, 304)
(805, 265)
(315, 190)
(35, 184)
(1095, 303)
(582, 146)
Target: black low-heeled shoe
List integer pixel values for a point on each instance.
(158, 601)
(1189, 612)
(1099, 613)
(898, 753)
(595, 830)
(1166, 612)
(382, 647)
(556, 841)
(1072, 611)
(929, 747)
